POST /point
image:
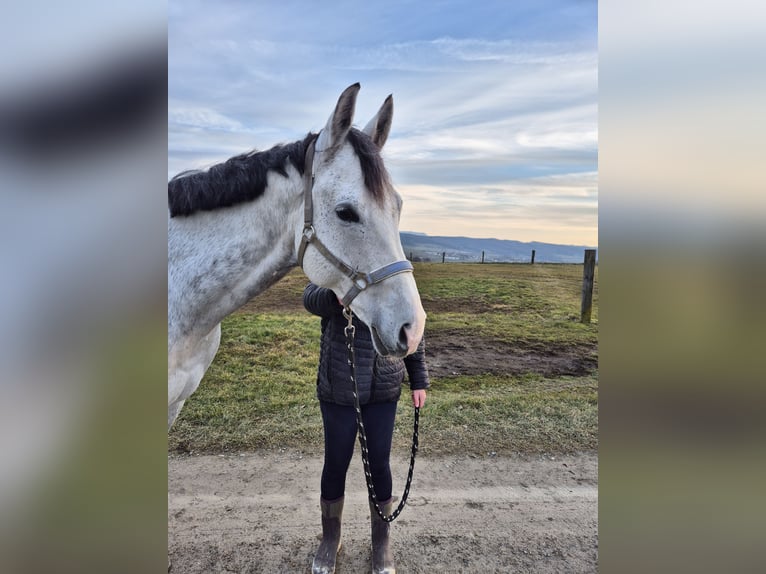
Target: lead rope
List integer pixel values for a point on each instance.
(350, 331)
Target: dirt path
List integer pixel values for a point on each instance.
(259, 513)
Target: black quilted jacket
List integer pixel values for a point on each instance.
(379, 379)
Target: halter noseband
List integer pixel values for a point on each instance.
(359, 279)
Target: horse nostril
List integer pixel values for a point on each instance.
(403, 336)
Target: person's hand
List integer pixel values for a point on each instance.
(418, 398)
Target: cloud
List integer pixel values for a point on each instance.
(511, 51)
(200, 117)
(563, 206)
(474, 110)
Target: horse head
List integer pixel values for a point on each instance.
(353, 207)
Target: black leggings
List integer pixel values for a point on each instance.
(339, 442)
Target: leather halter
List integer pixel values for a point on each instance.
(360, 280)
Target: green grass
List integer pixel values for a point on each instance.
(543, 290)
(506, 414)
(259, 393)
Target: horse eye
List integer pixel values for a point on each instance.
(347, 214)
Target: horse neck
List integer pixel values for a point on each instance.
(218, 260)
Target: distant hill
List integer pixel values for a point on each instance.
(430, 248)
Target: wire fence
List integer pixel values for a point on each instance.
(533, 257)
(589, 264)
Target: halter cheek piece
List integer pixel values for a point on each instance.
(360, 281)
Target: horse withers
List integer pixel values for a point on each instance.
(325, 202)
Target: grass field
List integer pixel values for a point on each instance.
(512, 369)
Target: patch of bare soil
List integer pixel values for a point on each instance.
(259, 512)
(452, 355)
(458, 305)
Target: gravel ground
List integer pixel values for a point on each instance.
(259, 512)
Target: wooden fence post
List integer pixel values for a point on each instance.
(410, 255)
(443, 254)
(482, 256)
(533, 258)
(588, 271)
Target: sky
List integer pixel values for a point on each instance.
(495, 128)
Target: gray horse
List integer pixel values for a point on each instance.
(238, 227)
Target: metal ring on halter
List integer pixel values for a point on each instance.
(363, 280)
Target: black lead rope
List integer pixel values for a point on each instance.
(350, 330)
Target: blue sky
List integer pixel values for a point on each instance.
(495, 122)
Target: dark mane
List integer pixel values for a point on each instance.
(238, 179)
(243, 177)
(375, 174)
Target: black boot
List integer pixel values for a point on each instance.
(324, 560)
(382, 559)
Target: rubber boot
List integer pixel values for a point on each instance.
(382, 559)
(324, 559)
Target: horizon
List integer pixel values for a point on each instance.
(589, 246)
(495, 124)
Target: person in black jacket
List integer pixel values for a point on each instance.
(379, 381)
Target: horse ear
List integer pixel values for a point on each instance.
(334, 133)
(380, 125)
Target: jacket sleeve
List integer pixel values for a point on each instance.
(417, 370)
(320, 300)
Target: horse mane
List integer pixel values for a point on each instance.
(238, 179)
(244, 177)
(375, 174)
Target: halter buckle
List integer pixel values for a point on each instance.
(361, 283)
(309, 233)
